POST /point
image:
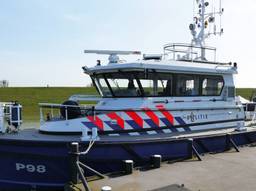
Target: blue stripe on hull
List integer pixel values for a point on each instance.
(182, 122)
(113, 126)
(168, 124)
(152, 124)
(133, 124)
(89, 124)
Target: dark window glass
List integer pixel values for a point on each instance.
(151, 83)
(164, 85)
(124, 87)
(120, 84)
(212, 86)
(103, 87)
(231, 92)
(187, 85)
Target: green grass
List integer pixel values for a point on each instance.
(245, 92)
(29, 97)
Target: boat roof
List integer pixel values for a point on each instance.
(165, 66)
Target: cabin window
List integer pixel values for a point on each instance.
(147, 85)
(103, 87)
(187, 85)
(156, 84)
(118, 85)
(162, 89)
(231, 91)
(212, 86)
(124, 87)
(164, 85)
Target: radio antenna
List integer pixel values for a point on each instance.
(203, 20)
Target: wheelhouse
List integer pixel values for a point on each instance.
(150, 83)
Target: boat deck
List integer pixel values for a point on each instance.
(33, 134)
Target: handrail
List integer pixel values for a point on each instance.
(81, 97)
(56, 106)
(63, 108)
(190, 52)
(188, 45)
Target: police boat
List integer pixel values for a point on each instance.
(156, 105)
(152, 95)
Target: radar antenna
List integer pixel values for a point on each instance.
(113, 54)
(204, 24)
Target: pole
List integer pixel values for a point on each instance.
(202, 30)
(74, 159)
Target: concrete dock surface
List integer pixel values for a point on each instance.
(231, 170)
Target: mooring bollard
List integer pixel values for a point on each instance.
(106, 188)
(128, 166)
(74, 158)
(156, 161)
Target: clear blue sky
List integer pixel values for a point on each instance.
(42, 41)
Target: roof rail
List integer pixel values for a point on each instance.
(189, 52)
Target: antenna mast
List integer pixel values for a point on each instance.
(202, 22)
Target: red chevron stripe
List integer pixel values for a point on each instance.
(152, 115)
(168, 115)
(96, 121)
(118, 119)
(135, 117)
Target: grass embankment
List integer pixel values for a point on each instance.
(30, 97)
(246, 92)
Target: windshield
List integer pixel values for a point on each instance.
(151, 84)
(118, 84)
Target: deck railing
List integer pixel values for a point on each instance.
(56, 112)
(189, 52)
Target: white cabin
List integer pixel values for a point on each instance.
(156, 94)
